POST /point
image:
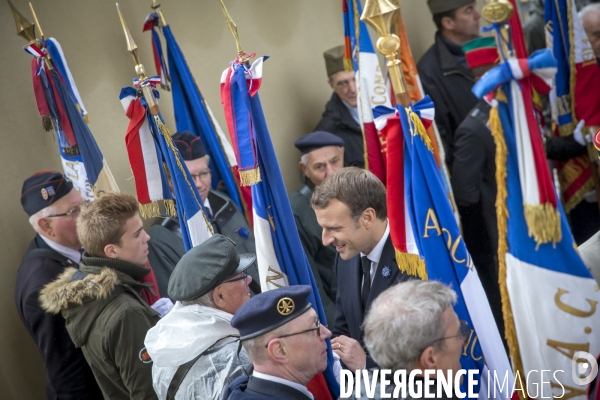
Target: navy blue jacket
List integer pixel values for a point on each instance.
(252, 388)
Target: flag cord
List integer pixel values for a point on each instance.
(510, 332)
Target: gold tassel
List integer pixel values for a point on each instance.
(86, 119)
(510, 332)
(417, 125)
(150, 210)
(411, 264)
(47, 124)
(543, 223)
(348, 65)
(170, 208)
(250, 177)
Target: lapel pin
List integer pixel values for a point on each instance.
(386, 272)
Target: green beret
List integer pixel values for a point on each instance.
(334, 60)
(205, 267)
(440, 6)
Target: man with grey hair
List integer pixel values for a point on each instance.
(590, 20)
(194, 348)
(413, 326)
(322, 155)
(53, 205)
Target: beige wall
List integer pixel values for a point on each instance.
(293, 33)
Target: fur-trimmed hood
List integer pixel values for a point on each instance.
(82, 295)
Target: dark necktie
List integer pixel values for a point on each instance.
(366, 286)
(208, 214)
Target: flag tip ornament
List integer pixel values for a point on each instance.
(242, 56)
(380, 14)
(139, 68)
(156, 7)
(25, 28)
(36, 21)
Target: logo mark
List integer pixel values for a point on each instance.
(584, 368)
(285, 306)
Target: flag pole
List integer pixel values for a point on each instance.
(380, 14)
(156, 7)
(243, 57)
(26, 30)
(499, 12)
(139, 68)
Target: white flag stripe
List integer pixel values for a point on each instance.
(266, 258)
(545, 312)
(198, 230)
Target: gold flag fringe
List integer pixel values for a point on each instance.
(510, 332)
(250, 177)
(569, 172)
(86, 119)
(411, 264)
(348, 65)
(150, 210)
(167, 135)
(543, 223)
(170, 208)
(417, 125)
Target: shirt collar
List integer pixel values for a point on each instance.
(375, 254)
(207, 203)
(71, 254)
(353, 112)
(297, 386)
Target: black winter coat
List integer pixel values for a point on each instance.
(449, 85)
(338, 120)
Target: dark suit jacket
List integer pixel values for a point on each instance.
(349, 313)
(250, 388)
(68, 375)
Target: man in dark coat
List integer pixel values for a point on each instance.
(322, 154)
(443, 69)
(166, 245)
(287, 345)
(52, 205)
(351, 208)
(341, 112)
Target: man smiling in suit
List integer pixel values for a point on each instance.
(351, 208)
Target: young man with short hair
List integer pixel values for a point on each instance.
(101, 302)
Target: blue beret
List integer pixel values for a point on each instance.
(316, 140)
(190, 146)
(42, 189)
(270, 310)
(205, 267)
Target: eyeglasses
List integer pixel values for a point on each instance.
(73, 213)
(204, 175)
(316, 328)
(465, 331)
(239, 278)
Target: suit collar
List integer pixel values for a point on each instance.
(274, 387)
(375, 254)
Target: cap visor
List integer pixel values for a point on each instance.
(246, 261)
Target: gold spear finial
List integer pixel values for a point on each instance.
(233, 29)
(139, 68)
(156, 7)
(36, 21)
(25, 29)
(500, 11)
(380, 14)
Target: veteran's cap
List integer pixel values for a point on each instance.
(190, 146)
(270, 310)
(43, 189)
(205, 267)
(440, 6)
(316, 140)
(334, 60)
(481, 51)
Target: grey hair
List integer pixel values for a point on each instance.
(406, 319)
(205, 300)
(44, 212)
(304, 157)
(587, 9)
(255, 347)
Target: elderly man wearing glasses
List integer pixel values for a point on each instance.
(194, 348)
(413, 326)
(166, 246)
(287, 345)
(53, 206)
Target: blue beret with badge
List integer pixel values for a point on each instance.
(42, 189)
(316, 140)
(270, 310)
(189, 145)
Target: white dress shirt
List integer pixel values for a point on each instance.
(375, 255)
(71, 254)
(297, 386)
